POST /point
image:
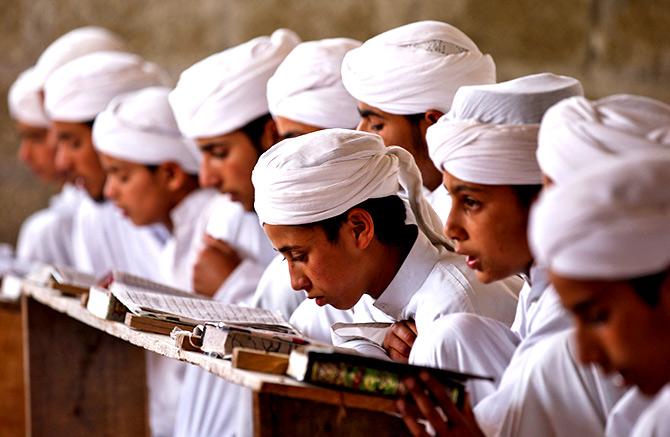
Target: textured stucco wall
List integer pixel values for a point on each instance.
(613, 46)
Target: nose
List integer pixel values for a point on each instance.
(207, 176)
(298, 280)
(453, 228)
(589, 349)
(362, 125)
(63, 159)
(110, 190)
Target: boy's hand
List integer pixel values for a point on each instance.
(427, 399)
(399, 340)
(215, 263)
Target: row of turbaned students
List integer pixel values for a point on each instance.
(513, 229)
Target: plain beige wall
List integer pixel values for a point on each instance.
(613, 46)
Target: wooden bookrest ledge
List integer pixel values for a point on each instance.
(85, 375)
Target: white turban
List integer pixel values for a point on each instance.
(414, 68)
(72, 45)
(578, 132)
(227, 90)
(490, 134)
(139, 127)
(25, 102)
(323, 174)
(81, 89)
(610, 221)
(307, 86)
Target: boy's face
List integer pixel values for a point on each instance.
(76, 157)
(38, 151)
(227, 163)
(141, 194)
(488, 225)
(399, 130)
(287, 128)
(331, 273)
(619, 331)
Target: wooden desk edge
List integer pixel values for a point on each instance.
(163, 345)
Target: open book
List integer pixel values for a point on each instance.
(178, 307)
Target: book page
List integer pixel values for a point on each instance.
(69, 276)
(135, 282)
(194, 310)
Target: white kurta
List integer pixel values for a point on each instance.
(626, 413)
(208, 405)
(430, 284)
(655, 420)
(239, 228)
(104, 240)
(484, 346)
(175, 268)
(545, 391)
(46, 236)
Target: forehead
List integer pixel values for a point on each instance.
(575, 292)
(286, 126)
(288, 237)
(27, 128)
(70, 128)
(110, 162)
(225, 139)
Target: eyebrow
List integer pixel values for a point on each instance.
(209, 146)
(461, 188)
(365, 113)
(284, 249)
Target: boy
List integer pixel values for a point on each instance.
(329, 203)
(620, 301)
(151, 175)
(220, 102)
(74, 95)
(404, 79)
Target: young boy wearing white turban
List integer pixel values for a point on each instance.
(620, 299)
(45, 235)
(152, 177)
(306, 94)
(220, 103)
(531, 400)
(329, 202)
(74, 95)
(404, 79)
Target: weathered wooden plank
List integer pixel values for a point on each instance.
(12, 401)
(276, 415)
(81, 381)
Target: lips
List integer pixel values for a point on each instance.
(320, 300)
(473, 262)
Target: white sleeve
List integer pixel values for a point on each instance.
(239, 287)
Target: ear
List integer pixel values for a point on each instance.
(361, 226)
(432, 115)
(173, 175)
(270, 135)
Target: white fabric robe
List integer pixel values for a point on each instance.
(626, 413)
(208, 405)
(46, 236)
(175, 268)
(430, 284)
(104, 240)
(655, 420)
